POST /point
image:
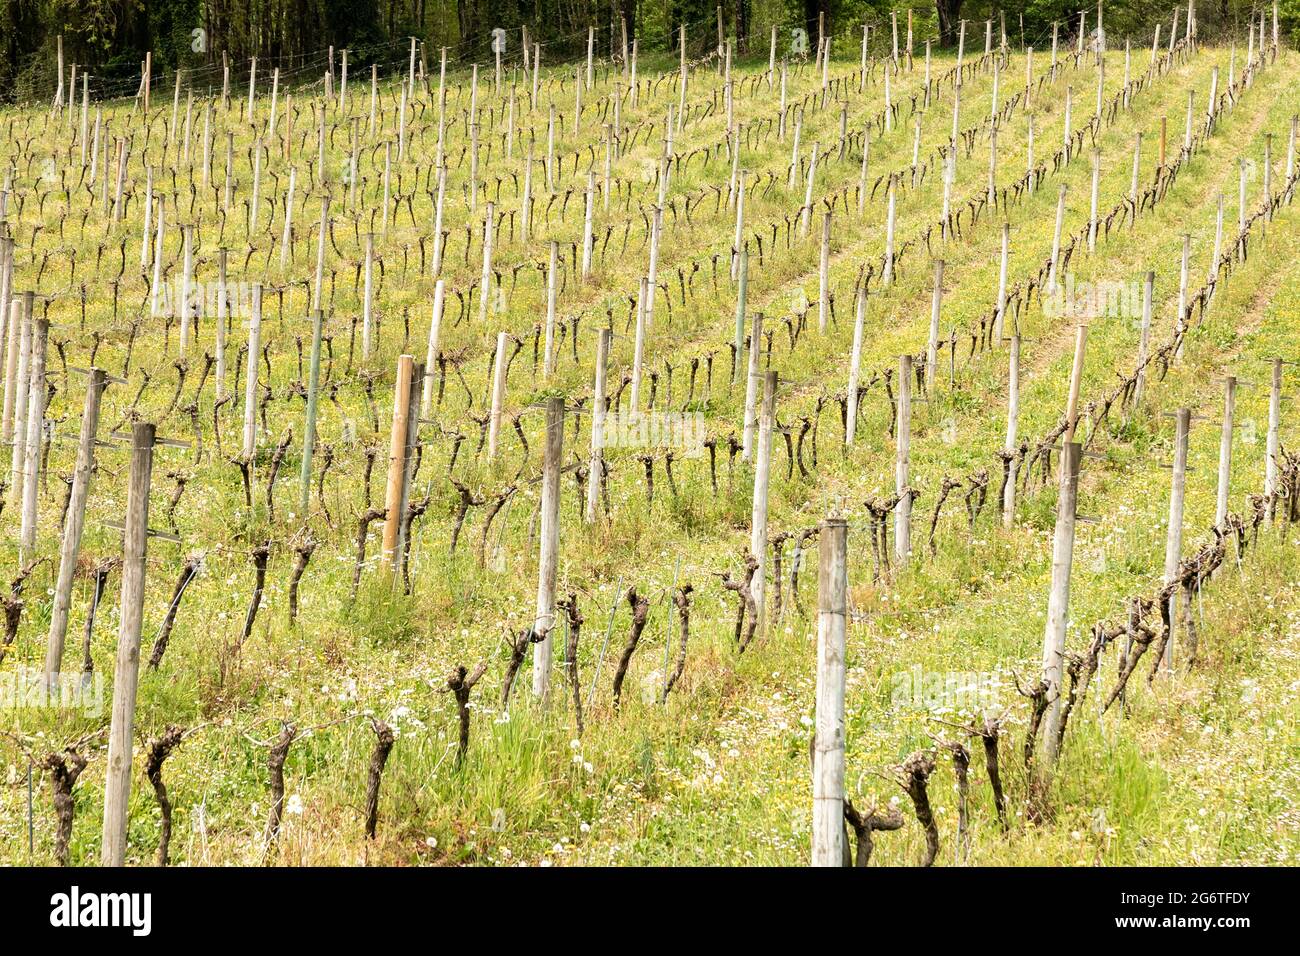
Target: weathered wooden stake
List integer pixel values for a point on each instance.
(588, 239)
(35, 425)
(1174, 533)
(1058, 602)
(751, 386)
(1000, 312)
(828, 740)
(187, 276)
(321, 241)
(343, 84)
(992, 169)
(758, 517)
(126, 675)
(1213, 276)
(1095, 196)
(411, 442)
(887, 275)
(552, 289)
(1225, 451)
(903, 461)
(498, 393)
(1056, 240)
(810, 183)
(435, 271)
(742, 288)
(250, 379)
(1076, 382)
(309, 425)
(73, 526)
(597, 461)
(16, 413)
(367, 299)
(252, 89)
(156, 286)
(739, 241)
(1137, 166)
(1013, 421)
(549, 551)
(397, 457)
(855, 367)
(1139, 385)
(652, 276)
(286, 235)
(485, 280)
(1273, 444)
(638, 345)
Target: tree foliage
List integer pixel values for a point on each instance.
(113, 36)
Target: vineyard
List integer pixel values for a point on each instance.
(856, 453)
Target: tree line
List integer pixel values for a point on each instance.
(111, 37)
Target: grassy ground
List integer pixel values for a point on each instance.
(1199, 770)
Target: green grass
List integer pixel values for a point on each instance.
(1200, 770)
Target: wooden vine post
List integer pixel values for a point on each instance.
(367, 298)
(596, 467)
(126, 674)
(762, 478)
(498, 392)
(638, 345)
(855, 368)
(397, 457)
(742, 287)
(752, 382)
(1000, 312)
(1174, 533)
(73, 527)
(902, 462)
(549, 357)
(1144, 338)
(548, 556)
(1272, 445)
(828, 740)
(20, 375)
(15, 364)
(35, 424)
(409, 461)
(1056, 240)
(1076, 383)
(222, 309)
(1180, 321)
(1058, 603)
(1013, 422)
(250, 382)
(309, 426)
(1225, 451)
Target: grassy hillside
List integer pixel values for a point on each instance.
(1198, 765)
